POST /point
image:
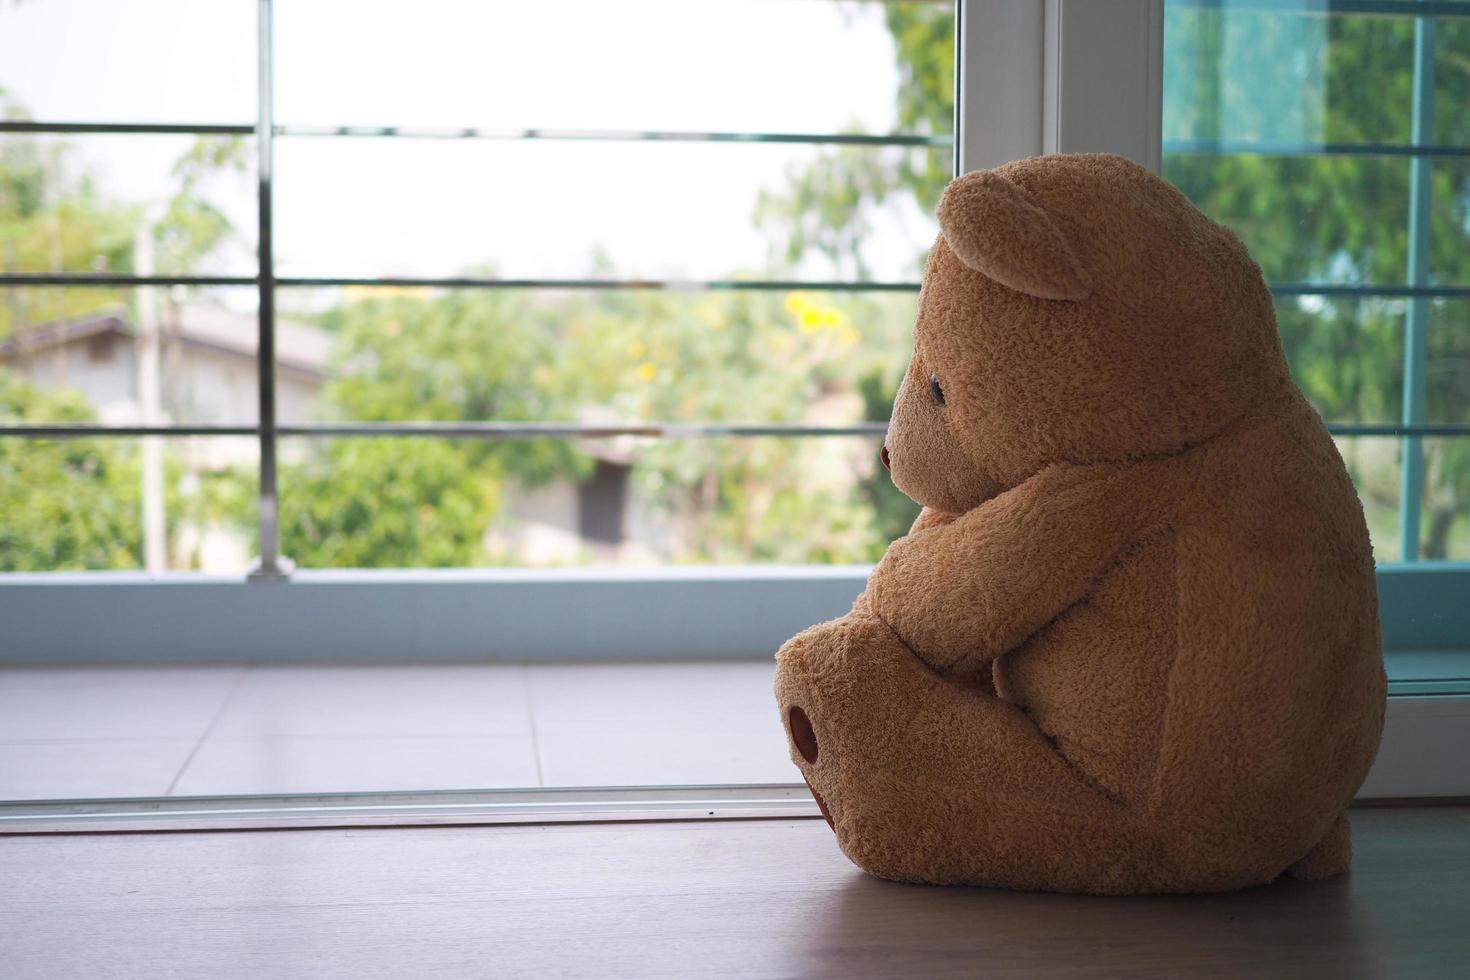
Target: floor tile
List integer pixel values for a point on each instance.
(597, 696)
(347, 765)
(286, 729)
(659, 757)
(111, 702)
(428, 699)
(658, 724)
(81, 770)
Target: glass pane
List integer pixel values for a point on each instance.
(79, 504)
(1284, 76)
(1284, 80)
(1307, 219)
(1447, 375)
(1374, 464)
(169, 61)
(1449, 202)
(1452, 81)
(1444, 515)
(143, 355)
(1265, 74)
(385, 503)
(1347, 354)
(657, 210)
(750, 66)
(604, 356)
(174, 205)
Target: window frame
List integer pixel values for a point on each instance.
(1076, 75)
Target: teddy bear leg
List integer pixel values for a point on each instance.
(1330, 857)
(925, 780)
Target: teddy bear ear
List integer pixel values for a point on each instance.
(996, 231)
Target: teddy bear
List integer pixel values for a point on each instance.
(1131, 643)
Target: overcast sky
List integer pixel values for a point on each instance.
(426, 207)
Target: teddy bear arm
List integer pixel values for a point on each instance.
(962, 593)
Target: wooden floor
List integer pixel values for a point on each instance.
(730, 899)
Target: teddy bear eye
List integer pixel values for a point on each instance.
(935, 390)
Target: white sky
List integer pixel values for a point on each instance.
(429, 207)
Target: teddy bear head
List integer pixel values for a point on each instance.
(1075, 309)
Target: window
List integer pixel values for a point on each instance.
(493, 298)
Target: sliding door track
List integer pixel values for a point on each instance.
(774, 801)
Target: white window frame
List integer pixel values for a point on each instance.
(1035, 76)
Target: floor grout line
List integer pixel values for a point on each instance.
(531, 716)
(225, 703)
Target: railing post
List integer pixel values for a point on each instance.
(1416, 324)
(270, 566)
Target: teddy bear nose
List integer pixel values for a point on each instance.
(883, 458)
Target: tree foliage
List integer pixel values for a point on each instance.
(404, 355)
(68, 504)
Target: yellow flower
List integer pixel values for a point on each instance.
(647, 370)
(813, 313)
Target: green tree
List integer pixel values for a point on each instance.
(826, 208)
(69, 504)
(52, 217)
(407, 355)
(747, 357)
(75, 503)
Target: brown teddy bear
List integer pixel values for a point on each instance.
(1131, 644)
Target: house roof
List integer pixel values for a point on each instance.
(300, 347)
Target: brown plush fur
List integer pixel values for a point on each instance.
(1132, 643)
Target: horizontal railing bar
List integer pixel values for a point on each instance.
(1405, 8)
(1391, 429)
(92, 279)
(1347, 289)
(452, 282)
(620, 135)
(560, 430)
(40, 127)
(87, 430)
(523, 430)
(669, 285)
(22, 126)
(452, 430)
(1276, 148)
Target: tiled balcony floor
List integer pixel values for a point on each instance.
(190, 731)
